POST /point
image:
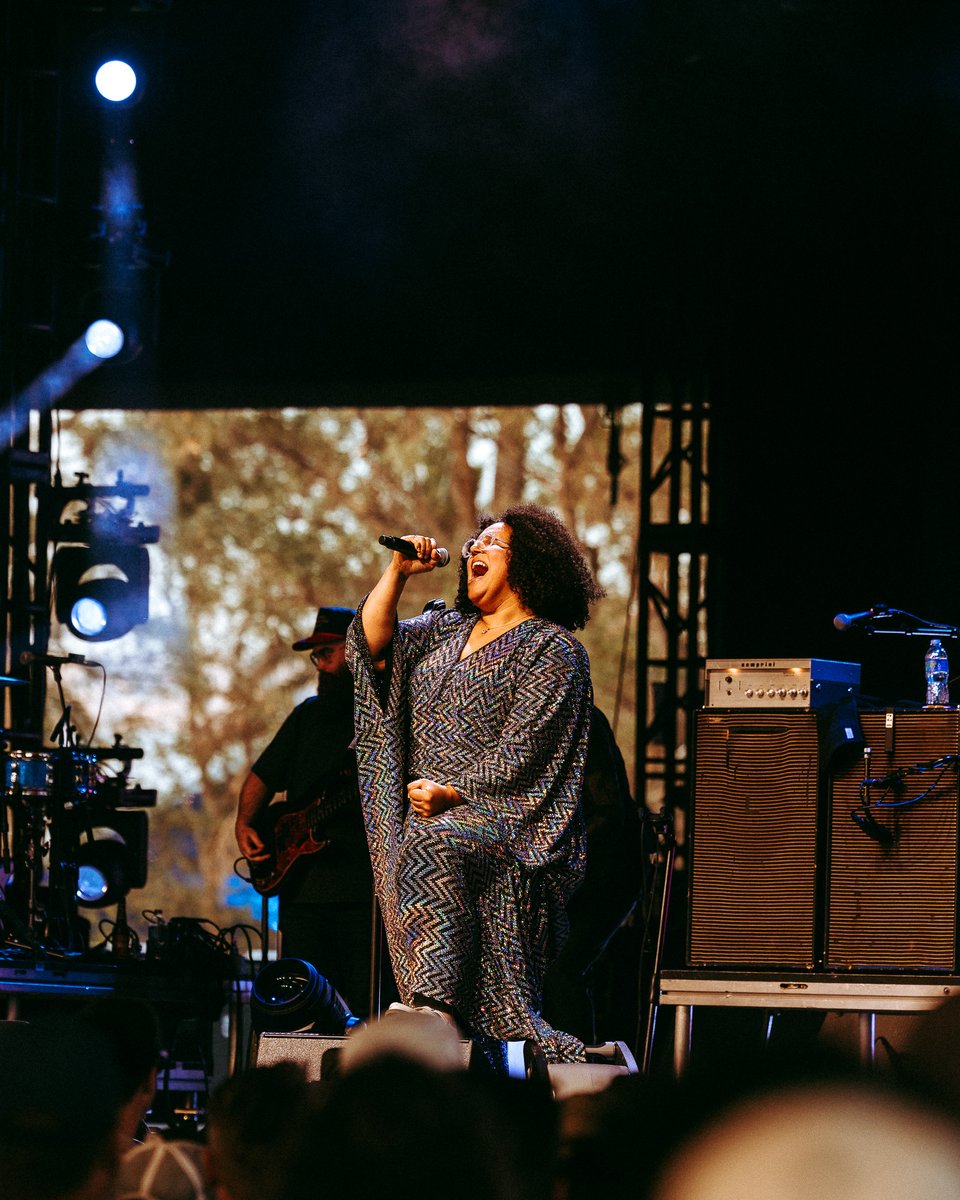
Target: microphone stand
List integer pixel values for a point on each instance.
(61, 731)
(920, 628)
(665, 828)
(64, 835)
(928, 631)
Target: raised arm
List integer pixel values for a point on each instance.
(379, 613)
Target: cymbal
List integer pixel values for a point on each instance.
(9, 681)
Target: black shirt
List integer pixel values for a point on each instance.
(311, 759)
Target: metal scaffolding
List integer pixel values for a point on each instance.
(30, 235)
(673, 567)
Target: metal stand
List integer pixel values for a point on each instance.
(376, 959)
(249, 1057)
(264, 929)
(666, 832)
(865, 995)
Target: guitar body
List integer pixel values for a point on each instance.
(293, 832)
(292, 837)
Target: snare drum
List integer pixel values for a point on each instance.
(35, 773)
(28, 773)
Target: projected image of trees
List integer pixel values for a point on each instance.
(265, 515)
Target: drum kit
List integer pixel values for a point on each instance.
(50, 801)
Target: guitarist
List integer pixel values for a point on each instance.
(326, 889)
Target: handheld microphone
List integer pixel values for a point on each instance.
(52, 660)
(409, 550)
(872, 827)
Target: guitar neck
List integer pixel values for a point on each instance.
(334, 797)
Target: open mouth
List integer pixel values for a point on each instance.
(478, 568)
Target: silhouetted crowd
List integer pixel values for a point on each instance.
(404, 1117)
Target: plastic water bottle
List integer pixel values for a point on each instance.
(938, 675)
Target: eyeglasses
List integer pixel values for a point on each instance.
(485, 542)
(321, 654)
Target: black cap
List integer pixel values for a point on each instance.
(331, 626)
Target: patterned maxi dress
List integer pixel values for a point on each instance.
(473, 899)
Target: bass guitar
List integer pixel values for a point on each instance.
(292, 834)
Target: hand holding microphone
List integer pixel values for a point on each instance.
(416, 548)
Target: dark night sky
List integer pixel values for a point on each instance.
(368, 188)
(396, 190)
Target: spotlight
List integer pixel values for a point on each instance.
(100, 875)
(102, 590)
(290, 995)
(88, 616)
(104, 338)
(112, 318)
(116, 80)
(115, 861)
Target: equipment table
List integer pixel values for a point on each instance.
(864, 994)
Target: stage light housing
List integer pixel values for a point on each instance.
(115, 861)
(290, 995)
(102, 590)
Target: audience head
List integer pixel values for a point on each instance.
(857, 1141)
(258, 1135)
(59, 1098)
(427, 1040)
(163, 1170)
(132, 1028)
(394, 1126)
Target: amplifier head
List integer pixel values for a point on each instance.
(778, 682)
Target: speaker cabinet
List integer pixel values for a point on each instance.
(892, 895)
(753, 859)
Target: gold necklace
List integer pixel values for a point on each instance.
(489, 629)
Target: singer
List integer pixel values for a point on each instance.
(472, 727)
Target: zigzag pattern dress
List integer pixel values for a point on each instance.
(473, 899)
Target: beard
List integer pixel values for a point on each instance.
(335, 690)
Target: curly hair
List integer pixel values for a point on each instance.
(547, 568)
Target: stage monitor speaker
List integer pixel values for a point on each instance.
(892, 895)
(315, 1052)
(319, 1054)
(753, 856)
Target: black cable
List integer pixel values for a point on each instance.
(895, 780)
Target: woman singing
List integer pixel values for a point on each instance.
(472, 728)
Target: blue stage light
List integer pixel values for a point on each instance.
(112, 859)
(88, 617)
(92, 885)
(104, 338)
(116, 80)
(102, 590)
